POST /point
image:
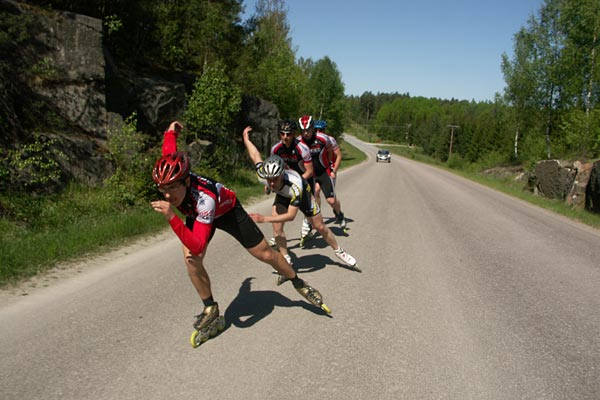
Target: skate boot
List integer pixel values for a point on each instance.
(347, 258)
(340, 219)
(208, 324)
(306, 233)
(280, 278)
(313, 296)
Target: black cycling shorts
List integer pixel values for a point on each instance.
(326, 184)
(308, 206)
(238, 224)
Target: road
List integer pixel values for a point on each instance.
(466, 294)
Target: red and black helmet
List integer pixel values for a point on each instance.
(171, 168)
(306, 122)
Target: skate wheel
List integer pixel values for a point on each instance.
(325, 308)
(198, 338)
(194, 339)
(219, 325)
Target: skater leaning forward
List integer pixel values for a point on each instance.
(292, 194)
(207, 205)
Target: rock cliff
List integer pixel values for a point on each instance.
(87, 93)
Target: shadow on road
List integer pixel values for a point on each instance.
(249, 306)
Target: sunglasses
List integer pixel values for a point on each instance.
(169, 188)
(286, 133)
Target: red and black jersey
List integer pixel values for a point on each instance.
(205, 201)
(319, 146)
(294, 156)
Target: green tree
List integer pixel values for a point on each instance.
(194, 34)
(533, 76)
(213, 104)
(367, 105)
(269, 68)
(326, 92)
(580, 20)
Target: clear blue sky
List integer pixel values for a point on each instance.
(430, 48)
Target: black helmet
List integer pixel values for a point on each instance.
(287, 126)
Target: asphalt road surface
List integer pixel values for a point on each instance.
(466, 294)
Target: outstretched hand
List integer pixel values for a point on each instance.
(258, 218)
(163, 207)
(246, 133)
(176, 126)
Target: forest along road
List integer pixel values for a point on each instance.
(465, 294)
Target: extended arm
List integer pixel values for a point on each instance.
(195, 240)
(309, 172)
(288, 216)
(338, 159)
(250, 147)
(170, 138)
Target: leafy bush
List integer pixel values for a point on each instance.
(456, 162)
(581, 134)
(212, 105)
(32, 166)
(131, 181)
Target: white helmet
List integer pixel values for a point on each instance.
(272, 167)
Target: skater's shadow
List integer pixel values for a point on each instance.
(311, 263)
(338, 231)
(315, 243)
(315, 262)
(249, 306)
(331, 220)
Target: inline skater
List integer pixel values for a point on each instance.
(296, 156)
(322, 148)
(207, 205)
(334, 166)
(292, 194)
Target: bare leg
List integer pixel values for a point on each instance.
(335, 204)
(266, 254)
(197, 273)
(318, 193)
(319, 225)
(280, 238)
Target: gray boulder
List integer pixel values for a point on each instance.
(553, 179)
(576, 196)
(262, 115)
(156, 100)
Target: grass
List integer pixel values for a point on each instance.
(59, 228)
(351, 155)
(43, 232)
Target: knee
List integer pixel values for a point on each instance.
(193, 263)
(318, 225)
(263, 253)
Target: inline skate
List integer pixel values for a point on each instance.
(208, 324)
(313, 296)
(347, 258)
